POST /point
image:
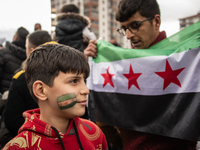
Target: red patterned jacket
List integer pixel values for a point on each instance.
(38, 135)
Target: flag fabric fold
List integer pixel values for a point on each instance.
(155, 90)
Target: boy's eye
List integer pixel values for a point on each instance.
(74, 81)
(134, 25)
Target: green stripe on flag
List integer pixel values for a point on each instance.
(184, 40)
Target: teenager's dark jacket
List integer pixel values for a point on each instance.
(19, 100)
(69, 29)
(11, 58)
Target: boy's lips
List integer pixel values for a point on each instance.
(84, 102)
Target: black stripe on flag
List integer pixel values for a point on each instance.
(172, 115)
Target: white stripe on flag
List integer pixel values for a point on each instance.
(149, 82)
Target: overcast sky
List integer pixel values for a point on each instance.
(16, 13)
(173, 10)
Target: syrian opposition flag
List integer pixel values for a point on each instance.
(155, 90)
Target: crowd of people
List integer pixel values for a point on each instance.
(43, 91)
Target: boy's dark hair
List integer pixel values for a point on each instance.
(69, 8)
(146, 8)
(38, 38)
(21, 33)
(46, 61)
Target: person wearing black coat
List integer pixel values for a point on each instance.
(72, 28)
(19, 98)
(11, 58)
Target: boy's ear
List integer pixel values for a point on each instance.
(39, 90)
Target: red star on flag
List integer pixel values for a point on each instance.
(132, 78)
(170, 76)
(108, 78)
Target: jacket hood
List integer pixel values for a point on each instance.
(63, 16)
(16, 50)
(34, 124)
(36, 134)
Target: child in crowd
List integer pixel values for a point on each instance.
(55, 76)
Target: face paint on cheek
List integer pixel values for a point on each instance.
(66, 101)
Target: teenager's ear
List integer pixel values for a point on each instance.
(157, 21)
(39, 90)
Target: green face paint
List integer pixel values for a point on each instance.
(66, 101)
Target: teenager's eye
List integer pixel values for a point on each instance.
(134, 25)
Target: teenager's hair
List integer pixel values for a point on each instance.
(21, 33)
(146, 8)
(38, 38)
(69, 8)
(46, 61)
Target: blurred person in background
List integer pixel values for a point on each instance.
(37, 27)
(11, 58)
(1, 42)
(19, 94)
(114, 42)
(72, 28)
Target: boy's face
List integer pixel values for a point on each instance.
(68, 86)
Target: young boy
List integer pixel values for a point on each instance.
(55, 77)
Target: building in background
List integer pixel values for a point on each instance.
(187, 21)
(101, 14)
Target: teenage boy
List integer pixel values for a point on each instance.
(55, 76)
(18, 92)
(140, 23)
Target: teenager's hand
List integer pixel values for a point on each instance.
(91, 49)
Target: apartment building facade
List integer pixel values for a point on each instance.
(187, 21)
(101, 14)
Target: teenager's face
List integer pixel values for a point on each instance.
(67, 85)
(146, 34)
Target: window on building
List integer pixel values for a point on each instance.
(191, 21)
(64, 1)
(96, 31)
(94, 8)
(58, 3)
(86, 7)
(182, 26)
(95, 22)
(95, 14)
(86, 13)
(183, 21)
(96, 1)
